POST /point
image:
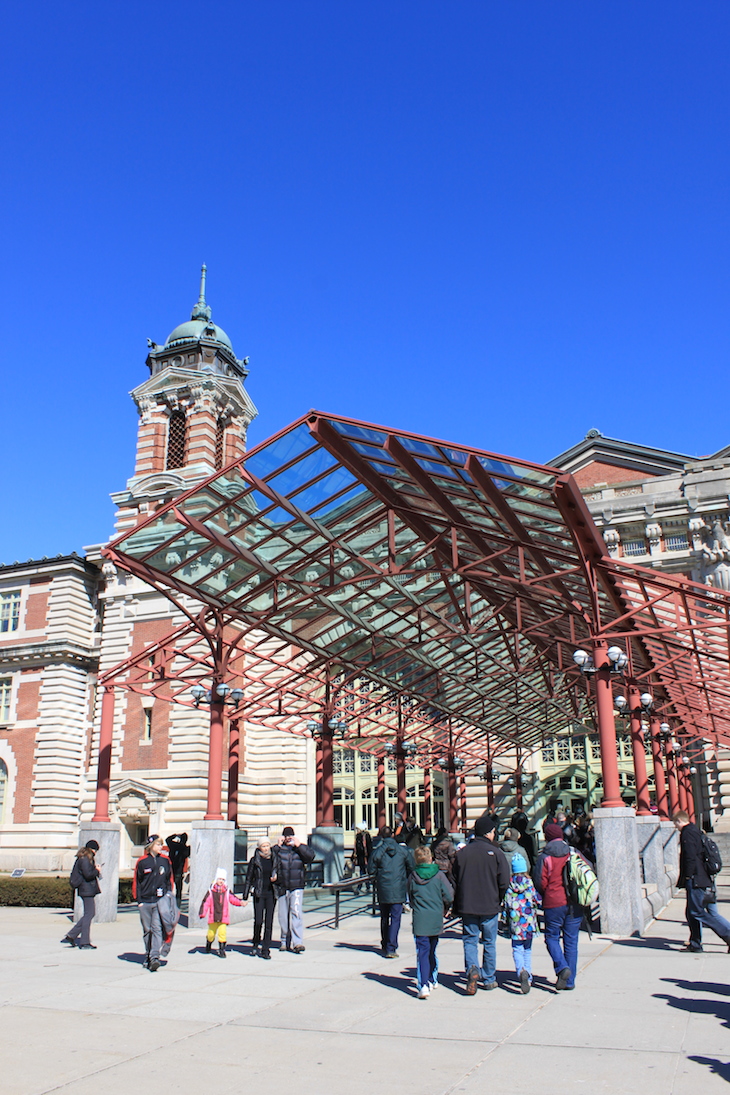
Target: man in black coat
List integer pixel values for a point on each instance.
(291, 875)
(693, 876)
(482, 875)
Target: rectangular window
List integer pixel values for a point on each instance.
(548, 753)
(677, 543)
(6, 687)
(635, 547)
(10, 611)
(147, 724)
(366, 762)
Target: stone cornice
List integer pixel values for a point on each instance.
(56, 652)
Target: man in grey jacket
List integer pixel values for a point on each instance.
(391, 863)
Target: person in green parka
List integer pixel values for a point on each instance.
(430, 896)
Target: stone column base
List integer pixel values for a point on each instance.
(211, 847)
(328, 845)
(619, 875)
(108, 835)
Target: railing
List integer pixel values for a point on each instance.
(349, 885)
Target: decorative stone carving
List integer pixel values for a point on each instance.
(715, 560)
(654, 536)
(612, 541)
(696, 525)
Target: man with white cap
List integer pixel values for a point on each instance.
(291, 875)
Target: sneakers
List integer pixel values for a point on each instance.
(153, 965)
(68, 939)
(433, 986)
(472, 977)
(423, 993)
(489, 985)
(266, 955)
(563, 978)
(392, 954)
(524, 981)
(299, 949)
(694, 948)
(86, 946)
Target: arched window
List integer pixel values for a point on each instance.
(220, 439)
(176, 440)
(3, 789)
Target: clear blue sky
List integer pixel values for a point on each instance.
(498, 223)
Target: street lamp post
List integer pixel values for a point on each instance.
(217, 698)
(605, 661)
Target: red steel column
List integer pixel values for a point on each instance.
(606, 727)
(318, 793)
(104, 768)
(328, 783)
(462, 795)
(643, 802)
(662, 803)
(234, 743)
(427, 817)
(382, 819)
(453, 797)
(672, 781)
(400, 775)
(215, 758)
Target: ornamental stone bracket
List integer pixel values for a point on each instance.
(612, 540)
(654, 536)
(136, 802)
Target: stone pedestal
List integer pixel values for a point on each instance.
(108, 836)
(211, 847)
(617, 855)
(657, 887)
(328, 845)
(670, 844)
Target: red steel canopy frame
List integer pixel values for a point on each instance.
(414, 587)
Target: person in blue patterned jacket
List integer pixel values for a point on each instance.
(521, 903)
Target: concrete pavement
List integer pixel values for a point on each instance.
(644, 1016)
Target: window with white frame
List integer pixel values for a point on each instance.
(677, 542)
(10, 611)
(6, 689)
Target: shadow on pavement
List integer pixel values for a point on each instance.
(654, 943)
(698, 986)
(698, 1007)
(720, 1069)
(403, 984)
(371, 948)
(128, 956)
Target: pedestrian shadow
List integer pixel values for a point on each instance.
(719, 1069)
(698, 986)
(402, 984)
(135, 959)
(719, 1009)
(653, 943)
(369, 947)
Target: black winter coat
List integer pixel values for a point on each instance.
(152, 878)
(89, 887)
(691, 863)
(255, 873)
(291, 872)
(482, 875)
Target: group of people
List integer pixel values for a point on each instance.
(477, 882)
(481, 880)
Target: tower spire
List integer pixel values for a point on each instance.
(201, 309)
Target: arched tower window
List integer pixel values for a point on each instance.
(220, 437)
(176, 440)
(3, 789)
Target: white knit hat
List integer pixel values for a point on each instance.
(221, 874)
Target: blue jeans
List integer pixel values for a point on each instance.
(474, 927)
(561, 925)
(427, 969)
(522, 954)
(697, 915)
(390, 925)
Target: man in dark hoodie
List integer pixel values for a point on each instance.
(482, 875)
(562, 920)
(391, 863)
(699, 884)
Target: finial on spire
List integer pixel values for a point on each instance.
(201, 309)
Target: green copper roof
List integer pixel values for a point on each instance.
(199, 325)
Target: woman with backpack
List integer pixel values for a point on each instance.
(85, 882)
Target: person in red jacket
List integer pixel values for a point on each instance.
(562, 920)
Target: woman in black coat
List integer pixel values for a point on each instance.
(261, 878)
(85, 881)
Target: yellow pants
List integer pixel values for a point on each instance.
(213, 928)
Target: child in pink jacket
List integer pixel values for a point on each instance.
(216, 906)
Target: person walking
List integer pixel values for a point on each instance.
(261, 878)
(521, 904)
(408, 832)
(290, 878)
(151, 881)
(216, 906)
(444, 853)
(363, 850)
(178, 850)
(562, 919)
(85, 881)
(430, 896)
(699, 884)
(391, 864)
(482, 876)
